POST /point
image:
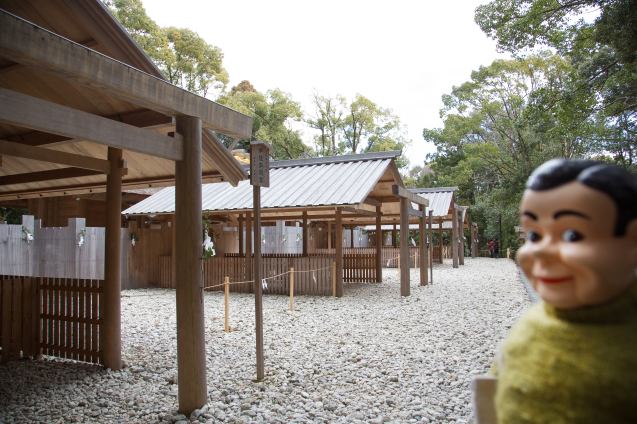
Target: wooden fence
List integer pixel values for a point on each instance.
(18, 319)
(51, 316)
(71, 312)
(359, 268)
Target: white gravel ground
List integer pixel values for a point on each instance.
(371, 356)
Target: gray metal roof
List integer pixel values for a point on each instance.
(306, 183)
(439, 198)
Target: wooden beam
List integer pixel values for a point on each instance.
(226, 163)
(54, 174)
(18, 150)
(414, 212)
(37, 114)
(406, 194)
(148, 119)
(23, 42)
(369, 201)
(359, 211)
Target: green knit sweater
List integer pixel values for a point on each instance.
(571, 366)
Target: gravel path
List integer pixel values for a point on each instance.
(370, 356)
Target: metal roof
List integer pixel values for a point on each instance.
(439, 198)
(340, 181)
(446, 225)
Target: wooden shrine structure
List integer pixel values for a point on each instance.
(84, 110)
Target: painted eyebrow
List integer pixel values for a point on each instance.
(569, 212)
(530, 215)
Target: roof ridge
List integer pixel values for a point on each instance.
(325, 160)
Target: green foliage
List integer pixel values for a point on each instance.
(273, 114)
(180, 53)
(12, 215)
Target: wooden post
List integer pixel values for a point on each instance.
(227, 294)
(259, 176)
(329, 237)
(508, 253)
(404, 247)
(440, 238)
(461, 235)
(423, 246)
(111, 329)
(454, 236)
(471, 240)
(339, 252)
(248, 262)
(306, 236)
(241, 250)
(291, 289)
(431, 247)
(394, 242)
(399, 266)
(379, 246)
(334, 279)
(191, 352)
(351, 237)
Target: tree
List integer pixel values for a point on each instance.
(328, 120)
(181, 54)
(242, 87)
(273, 115)
(360, 121)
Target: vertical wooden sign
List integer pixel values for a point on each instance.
(259, 177)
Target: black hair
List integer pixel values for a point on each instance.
(612, 180)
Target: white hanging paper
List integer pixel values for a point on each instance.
(388, 264)
(264, 284)
(314, 276)
(81, 242)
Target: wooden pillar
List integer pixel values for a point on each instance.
(111, 328)
(83, 208)
(423, 246)
(394, 242)
(32, 207)
(249, 246)
(43, 212)
(241, 250)
(379, 246)
(431, 246)
(191, 353)
(339, 252)
(258, 288)
(329, 237)
(440, 239)
(461, 236)
(404, 248)
(306, 236)
(471, 239)
(454, 236)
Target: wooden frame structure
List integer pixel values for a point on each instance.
(84, 110)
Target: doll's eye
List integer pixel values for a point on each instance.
(571, 236)
(532, 236)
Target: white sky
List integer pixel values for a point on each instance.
(400, 54)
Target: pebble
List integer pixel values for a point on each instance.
(370, 356)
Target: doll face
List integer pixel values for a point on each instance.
(571, 256)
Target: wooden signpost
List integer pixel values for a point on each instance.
(259, 177)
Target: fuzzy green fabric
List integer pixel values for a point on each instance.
(571, 366)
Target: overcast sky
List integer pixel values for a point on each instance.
(402, 55)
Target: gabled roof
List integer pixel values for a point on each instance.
(440, 198)
(318, 182)
(71, 58)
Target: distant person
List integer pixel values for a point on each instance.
(496, 249)
(490, 245)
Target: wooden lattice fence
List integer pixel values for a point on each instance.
(18, 328)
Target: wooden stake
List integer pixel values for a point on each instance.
(508, 253)
(379, 246)
(291, 289)
(227, 290)
(399, 265)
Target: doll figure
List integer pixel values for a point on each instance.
(573, 357)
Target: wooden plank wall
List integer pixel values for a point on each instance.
(71, 311)
(17, 256)
(18, 318)
(144, 256)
